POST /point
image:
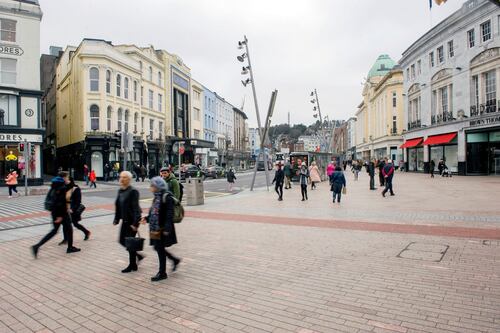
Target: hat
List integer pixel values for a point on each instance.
(165, 169)
(159, 183)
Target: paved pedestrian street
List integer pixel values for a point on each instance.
(425, 260)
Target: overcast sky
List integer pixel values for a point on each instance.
(295, 45)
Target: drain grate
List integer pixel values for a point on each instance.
(424, 251)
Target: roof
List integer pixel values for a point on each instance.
(382, 66)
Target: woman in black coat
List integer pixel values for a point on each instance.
(74, 200)
(161, 226)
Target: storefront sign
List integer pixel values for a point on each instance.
(14, 137)
(485, 121)
(11, 50)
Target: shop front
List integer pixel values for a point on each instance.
(414, 154)
(443, 147)
(483, 152)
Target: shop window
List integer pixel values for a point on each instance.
(8, 30)
(8, 110)
(8, 71)
(94, 117)
(94, 79)
(96, 163)
(477, 137)
(108, 82)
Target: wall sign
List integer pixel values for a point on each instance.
(11, 50)
(29, 112)
(485, 121)
(14, 137)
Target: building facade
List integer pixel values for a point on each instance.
(310, 142)
(224, 130)
(452, 92)
(351, 138)
(209, 126)
(380, 116)
(241, 156)
(254, 142)
(20, 94)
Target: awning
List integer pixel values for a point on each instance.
(440, 139)
(411, 143)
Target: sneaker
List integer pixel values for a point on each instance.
(159, 277)
(73, 250)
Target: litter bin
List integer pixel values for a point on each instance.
(194, 192)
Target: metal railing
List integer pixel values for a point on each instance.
(442, 118)
(415, 124)
(488, 107)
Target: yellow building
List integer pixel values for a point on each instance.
(380, 115)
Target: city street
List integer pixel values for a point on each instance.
(424, 260)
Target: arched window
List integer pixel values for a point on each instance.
(126, 120)
(118, 85)
(136, 118)
(108, 82)
(135, 91)
(94, 117)
(150, 73)
(125, 92)
(120, 116)
(94, 79)
(159, 79)
(109, 113)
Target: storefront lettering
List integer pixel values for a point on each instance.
(11, 137)
(14, 137)
(485, 121)
(12, 50)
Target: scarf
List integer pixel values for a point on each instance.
(154, 212)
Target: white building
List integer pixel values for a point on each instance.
(311, 143)
(452, 85)
(254, 141)
(20, 95)
(224, 128)
(351, 138)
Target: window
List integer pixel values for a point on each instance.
(431, 59)
(160, 129)
(109, 112)
(206, 121)
(160, 102)
(408, 74)
(142, 125)
(142, 95)
(126, 120)
(197, 95)
(440, 54)
(394, 125)
(118, 85)
(136, 118)
(419, 67)
(8, 110)
(490, 87)
(412, 69)
(486, 31)
(8, 73)
(108, 82)
(443, 92)
(151, 99)
(394, 99)
(125, 88)
(135, 91)
(196, 134)
(8, 30)
(474, 94)
(120, 116)
(94, 79)
(196, 114)
(159, 79)
(451, 51)
(94, 117)
(150, 73)
(471, 38)
(151, 127)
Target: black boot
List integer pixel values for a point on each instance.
(130, 268)
(159, 277)
(73, 250)
(34, 251)
(176, 262)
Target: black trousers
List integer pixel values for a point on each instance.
(303, 190)
(388, 186)
(381, 178)
(163, 254)
(279, 189)
(67, 230)
(432, 173)
(372, 182)
(76, 223)
(12, 188)
(126, 231)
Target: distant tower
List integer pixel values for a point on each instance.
(288, 118)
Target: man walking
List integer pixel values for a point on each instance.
(56, 203)
(279, 177)
(128, 211)
(432, 165)
(288, 175)
(371, 172)
(388, 173)
(172, 182)
(85, 174)
(381, 165)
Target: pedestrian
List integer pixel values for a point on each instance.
(173, 185)
(441, 166)
(356, 168)
(56, 203)
(128, 211)
(337, 181)
(371, 172)
(92, 178)
(314, 174)
(330, 169)
(137, 171)
(345, 165)
(388, 173)
(11, 182)
(288, 175)
(303, 179)
(231, 177)
(144, 172)
(85, 174)
(432, 166)
(106, 172)
(74, 205)
(161, 226)
(380, 166)
(278, 180)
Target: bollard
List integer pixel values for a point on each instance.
(194, 192)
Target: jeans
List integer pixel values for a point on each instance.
(388, 186)
(279, 189)
(303, 191)
(86, 179)
(381, 178)
(337, 195)
(12, 188)
(163, 254)
(288, 183)
(67, 230)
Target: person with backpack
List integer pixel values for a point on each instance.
(161, 226)
(173, 184)
(128, 211)
(75, 207)
(92, 178)
(11, 182)
(55, 202)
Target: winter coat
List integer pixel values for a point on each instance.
(128, 210)
(59, 207)
(230, 176)
(330, 169)
(337, 179)
(279, 177)
(303, 176)
(92, 176)
(371, 169)
(173, 186)
(314, 172)
(11, 178)
(74, 202)
(388, 171)
(166, 222)
(287, 170)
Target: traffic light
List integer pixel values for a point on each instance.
(21, 147)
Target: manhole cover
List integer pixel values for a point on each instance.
(424, 251)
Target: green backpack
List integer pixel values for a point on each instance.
(178, 208)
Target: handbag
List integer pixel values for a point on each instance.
(344, 190)
(79, 210)
(155, 234)
(134, 243)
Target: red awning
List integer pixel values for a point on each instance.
(411, 143)
(440, 139)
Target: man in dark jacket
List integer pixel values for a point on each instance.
(381, 165)
(279, 178)
(128, 211)
(432, 166)
(59, 212)
(371, 173)
(388, 173)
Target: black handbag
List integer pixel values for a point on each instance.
(79, 210)
(134, 243)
